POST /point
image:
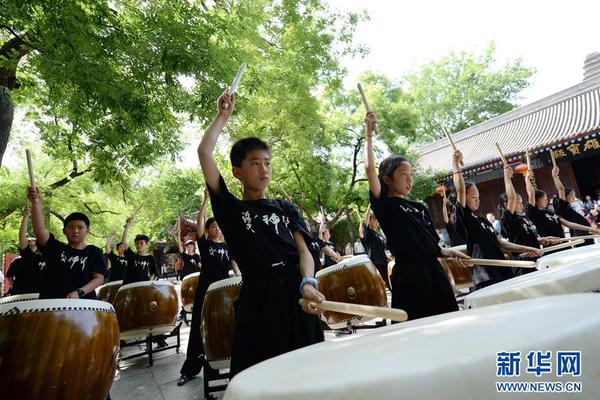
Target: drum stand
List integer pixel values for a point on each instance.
(153, 339)
(213, 375)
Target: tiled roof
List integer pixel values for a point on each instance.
(540, 125)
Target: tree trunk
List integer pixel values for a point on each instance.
(6, 119)
(350, 226)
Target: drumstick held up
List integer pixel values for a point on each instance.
(504, 161)
(366, 103)
(30, 168)
(451, 142)
(393, 314)
(236, 82)
(528, 160)
(136, 210)
(553, 158)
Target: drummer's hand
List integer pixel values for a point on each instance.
(595, 231)
(371, 122)
(457, 157)
(337, 258)
(129, 221)
(532, 252)
(73, 295)
(311, 294)
(459, 257)
(33, 194)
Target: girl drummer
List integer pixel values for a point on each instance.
(216, 263)
(419, 285)
(482, 239)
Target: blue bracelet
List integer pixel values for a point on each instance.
(308, 280)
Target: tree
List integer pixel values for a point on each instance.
(463, 89)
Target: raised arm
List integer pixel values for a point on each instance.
(178, 234)
(109, 242)
(209, 141)
(235, 268)
(511, 194)
(201, 218)
(23, 242)
(126, 233)
(374, 185)
(457, 178)
(37, 217)
(445, 209)
(529, 187)
(322, 225)
(558, 183)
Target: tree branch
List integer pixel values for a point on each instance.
(99, 210)
(74, 174)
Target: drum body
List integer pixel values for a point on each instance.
(145, 308)
(108, 291)
(19, 297)
(218, 321)
(578, 277)
(355, 280)
(188, 290)
(566, 257)
(418, 359)
(58, 349)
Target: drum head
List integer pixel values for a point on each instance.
(347, 263)
(19, 297)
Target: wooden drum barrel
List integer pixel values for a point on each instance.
(58, 349)
(459, 277)
(108, 291)
(188, 290)
(218, 321)
(19, 297)
(145, 308)
(355, 280)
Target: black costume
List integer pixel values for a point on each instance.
(216, 263)
(69, 269)
(260, 236)
(482, 242)
(567, 212)
(191, 264)
(419, 284)
(118, 266)
(139, 268)
(546, 222)
(374, 244)
(520, 231)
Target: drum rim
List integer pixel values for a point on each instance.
(349, 263)
(107, 284)
(19, 297)
(190, 276)
(146, 284)
(225, 283)
(44, 305)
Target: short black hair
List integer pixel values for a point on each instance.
(142, 237)
(539, 194)
(118, 244)
(242, 147)
(208, 222)
(568, 191)
(76, 216)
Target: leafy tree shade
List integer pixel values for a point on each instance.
(463, 89)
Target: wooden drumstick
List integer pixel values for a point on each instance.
(574, 242)
(30, 168)
(462, 164)
(553, 158)
(136, 210)
(528, 160)
(501, 155)
(236, 82)
(501, 263)
(366, 103)
(393, 314)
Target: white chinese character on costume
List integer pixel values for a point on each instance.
(247, 219)
(274, 219)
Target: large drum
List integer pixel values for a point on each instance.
(58, 349)
(579, 277)
(145, 308)
(188, 290)
(566, 257)
(108, 291)
(19, 297)
(354, 280)
(452, 356)
(218, 321)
